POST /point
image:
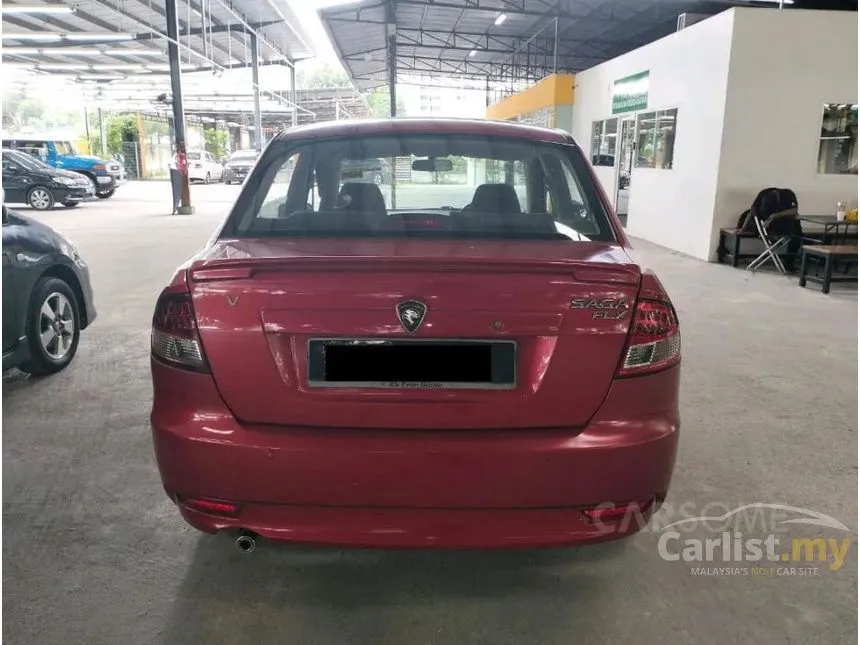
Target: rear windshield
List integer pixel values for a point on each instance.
(422, 186)
(194, 156)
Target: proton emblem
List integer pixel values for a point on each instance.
(411, 314)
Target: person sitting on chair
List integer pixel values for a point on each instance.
(776, 208)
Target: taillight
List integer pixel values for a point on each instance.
(174, 333)
(210, 506)
(654, 342)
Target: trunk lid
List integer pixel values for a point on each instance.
(565, 306)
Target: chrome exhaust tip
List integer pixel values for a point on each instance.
(246, 542)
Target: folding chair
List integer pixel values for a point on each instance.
(773, 246)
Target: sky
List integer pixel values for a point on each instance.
(307, 13)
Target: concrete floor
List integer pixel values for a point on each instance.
(94, 553)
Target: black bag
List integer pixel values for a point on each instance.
(767, 202)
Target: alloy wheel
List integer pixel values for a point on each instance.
(40, 199)
(56, 325)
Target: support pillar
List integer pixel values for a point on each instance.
(392, 74)
(294, 97)
(185, 207)
(102, 132)
(255, 79)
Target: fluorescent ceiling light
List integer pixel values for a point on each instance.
(472, 53)
(166, 68)
(42, 36)
(773, 1)
(35, 8)
(134, 52)
(118, 66)
(67, 51)
(100, 77)
(97, 36)
(28, 51)
(501, 18)
(62, 66)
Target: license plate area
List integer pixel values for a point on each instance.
(411, 363)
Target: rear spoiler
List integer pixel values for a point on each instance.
(582, 270)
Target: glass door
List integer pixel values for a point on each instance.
(626, 148)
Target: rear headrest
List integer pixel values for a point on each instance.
(495, 198)
(365, 198)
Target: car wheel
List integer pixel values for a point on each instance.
(207, 179)
(53, 327)
(377, 178)
(106, 194)
(71, 204)
(40, 198)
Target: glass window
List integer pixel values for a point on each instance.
(193, 156)
(837, 148)
(21, 160)
(655, 139)
(37, 149)
(64, 148)
(486, 188)
(604, 135)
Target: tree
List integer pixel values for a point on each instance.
(120, 128)
(321, 76)
(216, 142)
(380, 103)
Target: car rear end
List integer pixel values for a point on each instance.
(239, 166)
(406, 380)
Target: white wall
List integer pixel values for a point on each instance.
(784, 66)
(689, 71)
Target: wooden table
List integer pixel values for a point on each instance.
(831, 255)
(832, 226)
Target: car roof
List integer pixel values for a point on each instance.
(412, 125)
(33, 136)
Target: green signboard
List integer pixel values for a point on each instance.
(630, 93)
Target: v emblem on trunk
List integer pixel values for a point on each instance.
(232, 300)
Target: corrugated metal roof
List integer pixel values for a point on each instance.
(461, 37)
(213, 33)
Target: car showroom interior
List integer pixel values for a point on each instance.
(429, 321)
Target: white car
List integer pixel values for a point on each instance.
(202, 166)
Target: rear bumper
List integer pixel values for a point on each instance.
(235, 174)
(405, 488)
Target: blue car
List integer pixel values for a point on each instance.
(106, 175)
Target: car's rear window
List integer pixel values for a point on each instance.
(194, 156)
(437, 186)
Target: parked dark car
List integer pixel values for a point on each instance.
(239, 165)
(27, 180)
(47, 296)
(374, 171)
(106, 175)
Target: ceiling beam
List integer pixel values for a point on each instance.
(511, 7)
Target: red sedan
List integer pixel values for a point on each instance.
(463, 356)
